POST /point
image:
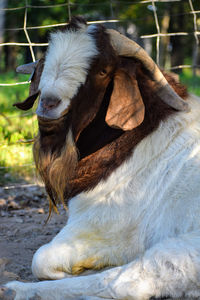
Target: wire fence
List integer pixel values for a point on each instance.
(114, 20)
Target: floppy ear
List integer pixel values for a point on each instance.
(33, 91)
(28, 103)
(126, 108)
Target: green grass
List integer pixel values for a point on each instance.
(192, 82)
(16, 126)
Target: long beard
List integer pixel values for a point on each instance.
(56, 169)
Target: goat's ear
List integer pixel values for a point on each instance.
(126, 108)
(33, 91)
(28, 103)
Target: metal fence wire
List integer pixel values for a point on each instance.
(112, 21)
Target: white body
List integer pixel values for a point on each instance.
(145, 217)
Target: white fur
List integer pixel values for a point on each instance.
(145, 217)
(68, 59)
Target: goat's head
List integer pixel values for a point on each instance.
(85, 76)
(81, 55)
(77, 56)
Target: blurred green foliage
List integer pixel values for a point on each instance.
(192, 82)
(17, 130)
(138, 14)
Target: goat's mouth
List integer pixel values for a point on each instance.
(54, 127)
(43, 118)
(48, 114)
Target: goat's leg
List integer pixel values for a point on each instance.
(58, 261)
(170, 268)
(84, 287)
(68, 257)
(74, 250)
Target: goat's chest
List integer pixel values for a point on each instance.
(133, 213)
(152, 196)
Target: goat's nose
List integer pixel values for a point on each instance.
(50, 103)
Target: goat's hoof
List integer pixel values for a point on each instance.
(7, 294)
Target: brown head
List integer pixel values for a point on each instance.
(93, 95)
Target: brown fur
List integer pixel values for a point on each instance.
(54, 149)
(99, 165)
(126, 107)
(55, 156)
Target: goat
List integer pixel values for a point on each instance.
(119, 145)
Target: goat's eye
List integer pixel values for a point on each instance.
(103, 72)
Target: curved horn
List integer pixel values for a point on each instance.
(27, 68)
(126, 47)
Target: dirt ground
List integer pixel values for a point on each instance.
(23, 212)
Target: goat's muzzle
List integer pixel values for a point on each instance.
(50, 103)
(50, 107)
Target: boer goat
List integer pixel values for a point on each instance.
(118, 144)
